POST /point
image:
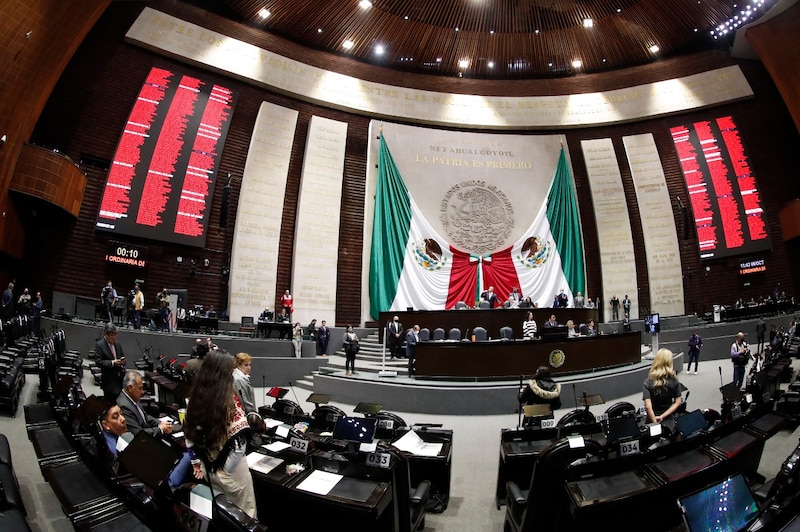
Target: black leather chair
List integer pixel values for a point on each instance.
(438, 333)
(484, 304)
(461, 305)
(479, 333)
(506, 333)
(227, 517)
(621, 409)
(411, 509)
(325, 416)
(387, 425)
(455, 334)
(579, 416)
(542, 506)
(424, 334)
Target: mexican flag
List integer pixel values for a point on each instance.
(411, 265)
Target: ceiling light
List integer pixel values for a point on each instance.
(264, 13)
(577, 63)
(619, 10)
(549, 64)
(365, 4)
(348, 44)
(490, 64)
(319, 30)
(588, 23)
(654, 49)
(438, 59)
(536, 32)
(456, 28)
(405, 17)
(379, 49)
(491, 32)
(604, 60)
(464, 63)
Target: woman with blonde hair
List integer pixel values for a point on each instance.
(661, 390)
(241, 382)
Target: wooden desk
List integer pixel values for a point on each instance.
(522, 357)
(490, 319)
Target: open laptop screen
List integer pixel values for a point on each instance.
(149, 460)
(727, 505)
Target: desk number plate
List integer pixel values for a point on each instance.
(548, 423)
(736, 412)
(382, 460)
(387, 424)
(331, 418)
(642, 411)
(300, 445)
(629, 448)
(601, 418)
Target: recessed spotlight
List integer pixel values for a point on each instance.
(379, 49)
(463, 63)
(588, 23)
(536, 32)
(365, 4)
(438, 59)
(348, 44)
(619, 10)
(456, 28)
(577, 63)
(654, 49)
(549, 64)
(604, 60)
(264, 13)
(405, 17)
(490, 64)
(491, 32)
(319, 30)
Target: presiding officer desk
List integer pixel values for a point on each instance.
(502, 358)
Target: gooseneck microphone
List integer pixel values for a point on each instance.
(295, 395)
(720, 375)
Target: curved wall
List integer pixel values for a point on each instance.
(86, 111)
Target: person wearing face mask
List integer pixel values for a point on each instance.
(394, 337)
(350, 343)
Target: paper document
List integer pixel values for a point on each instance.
(368, 447)
(276, 446)
(412, 443)
(269, 422)
(262, 463)
(320, 482)
(177, 435)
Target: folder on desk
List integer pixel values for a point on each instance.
(412, 443)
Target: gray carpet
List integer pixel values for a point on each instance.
(476, 442)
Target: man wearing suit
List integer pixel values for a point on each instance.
(323, 334)
(490, 297)
(394, 338)
(411, 347)
(137, 420)
(111, 359)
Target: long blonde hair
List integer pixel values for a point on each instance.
(661, 370)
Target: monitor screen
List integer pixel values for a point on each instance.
(652, 324)
(622, 428)
(731, 392)
(691, 423)
(354, 429)
(148, 459)
(727, 505)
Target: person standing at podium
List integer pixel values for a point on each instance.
(661, 391)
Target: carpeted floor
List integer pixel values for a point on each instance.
(476, 441)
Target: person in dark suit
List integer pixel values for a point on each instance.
(111, 359)
(136, 418)
(411, 347)
(490, 297)
(323, 335)
(394, 337)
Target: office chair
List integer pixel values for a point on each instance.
(227, 517)
(461, 305)
(325, 416)
(478, 332)
(621, 409)
(455, 333)
(388, 424)
(579, 416)
(410, 509)
(483, 304)
(506, 333)
(424, 334)
(438, 334)
(541, 507)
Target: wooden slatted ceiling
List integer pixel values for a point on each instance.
(420, 35)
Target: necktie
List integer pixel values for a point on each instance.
(113, 351)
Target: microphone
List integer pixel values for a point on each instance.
(585, 402)
(264, 385)
(720, 375)
(295, 395)
(575, 395)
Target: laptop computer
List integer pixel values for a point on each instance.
(691, 423)
(726, 505)
(149, 460)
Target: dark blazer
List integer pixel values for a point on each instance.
(134, 420)
(111, 375)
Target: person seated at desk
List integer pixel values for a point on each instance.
(527, 303)
(661, 390)
(591, 328)
(283, 317)
(541, 390)
(511, 303)
(136, 419)
(589, 303)
(552, 322)
(529, 327)
(115, 428)
(571, 331)
(211, 313)
(266, 315)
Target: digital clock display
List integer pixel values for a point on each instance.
(126, 254)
